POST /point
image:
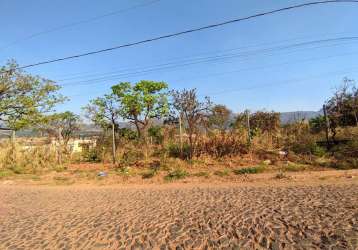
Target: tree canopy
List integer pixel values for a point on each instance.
(142, 102)
(67, 123)
(104, 111)
(24, 98)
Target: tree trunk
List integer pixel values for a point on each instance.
(59, 146)
(136, 123)
(181, 135)
(113, 145)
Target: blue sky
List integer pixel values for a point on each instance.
(228, 63)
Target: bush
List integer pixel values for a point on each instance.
(91, 155)
(124, 171)
(174, 151)
(156, 133)
(131, 156)
(5, 173)
(176, 174)
(220, 145)
(305, 148)
(149, 174)
(250, 170)
(345, 164)
(127, 134)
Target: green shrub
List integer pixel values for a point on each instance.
(306, 148)
(176, 174)
(149, 174)
(127, 133)
(250, 170)
(91, 155)
(156, 133)
(124, 171)
(174, 151)
(318, 151)
(5, 173)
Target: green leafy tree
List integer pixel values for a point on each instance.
(317, 124)
(142, 102)
(66, 124)
(25, 98)
(104, 111)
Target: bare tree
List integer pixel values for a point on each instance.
(186, 103)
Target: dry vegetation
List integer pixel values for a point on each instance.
(173, 134)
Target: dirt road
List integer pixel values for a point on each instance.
(180, 216)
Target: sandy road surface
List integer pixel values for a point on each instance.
(180, 217)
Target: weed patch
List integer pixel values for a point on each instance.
(149, 174)
(292, 167)
(5, 173)
(250, 170)
(176, 175)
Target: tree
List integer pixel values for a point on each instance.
(186, 103)
(142, 102)
(219, 117)
(66, 124)
(104, 111)
(268, 122)
(317, 124)
(24, 98)
(342, 107)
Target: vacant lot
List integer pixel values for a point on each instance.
(180, 216)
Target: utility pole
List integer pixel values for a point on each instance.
(113, 145)
(248, 126)
(327, 124)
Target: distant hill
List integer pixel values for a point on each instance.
(90, 129)
(290, 117)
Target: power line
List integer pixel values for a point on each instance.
(216, 58)
(188, 31)
(89, 73)
(88, 20)
(277, 83)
